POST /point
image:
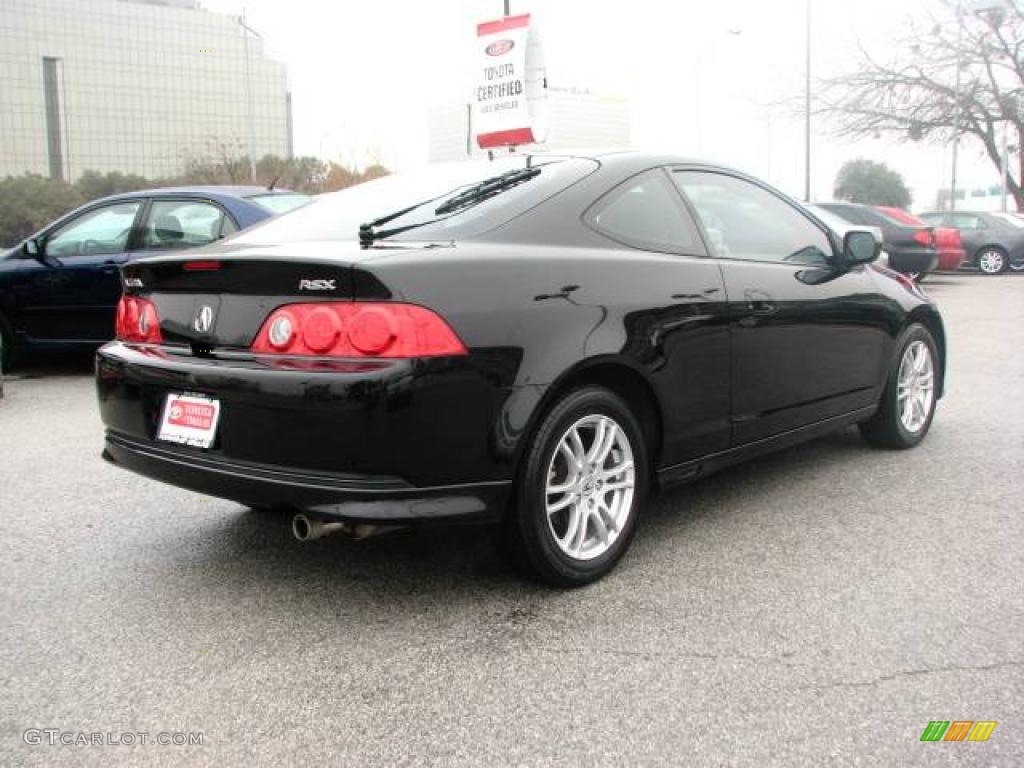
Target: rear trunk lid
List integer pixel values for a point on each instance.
(221, 297)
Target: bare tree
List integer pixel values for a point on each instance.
(961, 73)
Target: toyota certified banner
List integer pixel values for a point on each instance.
(510, 84)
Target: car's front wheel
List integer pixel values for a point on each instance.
(991, 260)
(6, 345)
(584, 480)
(905, 412)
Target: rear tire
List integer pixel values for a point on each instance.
(907, 407)
(7, 356)
(585, 476)
(991, 260)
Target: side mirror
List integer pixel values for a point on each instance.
(30, 249)
(860, 247)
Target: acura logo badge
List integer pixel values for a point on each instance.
(204, 319)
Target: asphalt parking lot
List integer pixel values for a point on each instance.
(816, 607)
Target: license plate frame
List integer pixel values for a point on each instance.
(189, 419)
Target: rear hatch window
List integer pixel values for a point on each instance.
(419, 198)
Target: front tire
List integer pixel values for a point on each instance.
(905, 412)
(991, 260)
(6, 346)
(585, 477)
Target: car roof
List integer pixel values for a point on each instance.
(626, 157)
(214, 191)
(983, 214)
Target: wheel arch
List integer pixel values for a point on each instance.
(930, 319)
(620, 375)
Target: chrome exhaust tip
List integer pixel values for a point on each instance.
(306, 528)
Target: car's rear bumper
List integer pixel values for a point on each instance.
(911, 261)
(348, 497)
(950, 259)
(395, 440)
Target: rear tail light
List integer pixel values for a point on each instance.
(925, 237)
(137, 320)
(205, 265)
(357, 329)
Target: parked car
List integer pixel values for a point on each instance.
(841, 226)
(911, 248)
(947, 239)
(994, 241)
(1017, 219)
(532, 342)
(60, 287)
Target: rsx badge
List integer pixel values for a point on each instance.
(317, 285)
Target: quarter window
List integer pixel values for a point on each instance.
(184, 224)
(646, 212)
(745, 221)
(101, 230)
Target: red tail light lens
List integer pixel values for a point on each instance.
(201, 266)
(137, 320)
(925, 237)
(357, 329)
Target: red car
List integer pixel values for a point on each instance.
(947, 240)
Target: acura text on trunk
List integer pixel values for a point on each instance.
(535, 342)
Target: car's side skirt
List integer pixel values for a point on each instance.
(690, 470)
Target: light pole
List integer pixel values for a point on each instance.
(246, 29)
(956, 103)
(807, 107)
(976, 7)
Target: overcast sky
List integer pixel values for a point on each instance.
(704, 79)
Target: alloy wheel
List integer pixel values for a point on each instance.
(991, 261)
(590, 484)
(915, 386)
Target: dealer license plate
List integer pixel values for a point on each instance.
(189, 420)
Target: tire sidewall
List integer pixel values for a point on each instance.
(541, 548)
(914, 333)
(6, 345)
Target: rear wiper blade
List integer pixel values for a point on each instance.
(368, 235)
(485, 190)
(369, 232)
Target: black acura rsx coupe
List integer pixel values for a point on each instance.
(534, 342)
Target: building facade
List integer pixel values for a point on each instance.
(576, 120)
(137, 86)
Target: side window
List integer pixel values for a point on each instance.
(744, 221)
(228, 226)
(932, 219)
(183, 224)
(646, 212)
(967, 221)
(101, 230)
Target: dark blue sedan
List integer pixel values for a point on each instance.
(61, 286)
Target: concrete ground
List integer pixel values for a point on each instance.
(816, 607)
